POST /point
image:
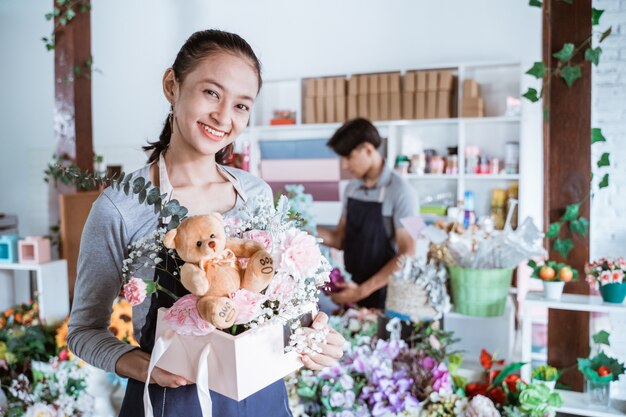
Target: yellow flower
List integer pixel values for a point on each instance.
(122, 322)
(61, 336)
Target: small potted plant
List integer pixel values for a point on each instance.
(554, 276)
(600, 371)
(607, 275)
(546, 375)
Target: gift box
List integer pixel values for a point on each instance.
(34, 249)
(237, 366)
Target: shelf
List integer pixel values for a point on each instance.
(27, 266)
(431, 176)
(576, 403)
(390, 123)
(539, 356)
(575, 302)
(492, 177)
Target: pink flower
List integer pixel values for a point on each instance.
(135, 291)
(249, 305)
(618, 276)
(605, 277)
(183, 317)
(281, 288)
(260, 236)
(299, 254)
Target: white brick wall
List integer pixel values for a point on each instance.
(608, 209)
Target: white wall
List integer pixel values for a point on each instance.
(133, 42)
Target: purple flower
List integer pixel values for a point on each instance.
(337, 399)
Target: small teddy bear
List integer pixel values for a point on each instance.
(211, 270)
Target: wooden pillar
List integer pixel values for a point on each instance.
(567, 170)
(72, 88)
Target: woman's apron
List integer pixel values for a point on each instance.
(183, 401)
(367, 247)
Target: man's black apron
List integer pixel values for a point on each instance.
(366, 245)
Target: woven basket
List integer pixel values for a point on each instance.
(480, 292)
(408, 300)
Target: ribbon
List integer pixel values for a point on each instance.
(161, 346)
(226, 259)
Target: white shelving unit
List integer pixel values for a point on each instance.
(574, 402)
(46, 282)
(498, 80)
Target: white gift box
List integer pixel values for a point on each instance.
(238, 366)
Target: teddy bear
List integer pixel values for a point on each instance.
(212, 271)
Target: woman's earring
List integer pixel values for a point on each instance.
(171, 118)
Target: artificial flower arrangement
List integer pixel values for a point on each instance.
(607, 275)
(509, 394)
(600, 370)
(291, 275)
(554, 276)
(38, 375)
(545, 374)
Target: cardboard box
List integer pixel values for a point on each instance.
(320, 105)
(432, 80)
(471, 89)
(444, 104)
(409, 80)
(353, 86)
(421, 83)
(408, 105)
(238, 366)
(309, 110)
(446, 80)
(472, 107)
(363, 84)
(383, 80)
(373, 83)
(363, 106)
(394, 82)
(352, 112)
(395, 106)
(340, 99)
(431, 104)
(420, 105)
(329, 99)
(310, 88)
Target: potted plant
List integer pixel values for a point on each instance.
(546, 375)
(554, 276)
(607, 275)
(600, 371)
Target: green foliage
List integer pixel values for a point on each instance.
(571, 212)
(535, 3)
(595, 16)
(553, 230)
(545, 373)
(531, 95)
(580, 226)
(589, 368)
(593, 55)
(605, 181)
(563, 246)
(508, 370)
(569, 1)
(538, 400)
(601, 338)
(604, 160)
(62, 14)
(566, 53)
(606, 34)
(596, 135)
(570, 74)
(538, 70)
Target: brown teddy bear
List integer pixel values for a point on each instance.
(211, 270)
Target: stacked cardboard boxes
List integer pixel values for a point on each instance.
(472, 104)
(324, 100)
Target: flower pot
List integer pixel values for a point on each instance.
(549, 384)
(480, 292)
(599, 394)
(614, 292)
(553, 290)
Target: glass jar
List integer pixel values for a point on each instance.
(599, 394)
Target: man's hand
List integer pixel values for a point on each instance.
(349, 293)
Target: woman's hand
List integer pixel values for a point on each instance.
(350, 293)
(134, 364)
(331, 348)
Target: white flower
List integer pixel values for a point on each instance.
(42, 410)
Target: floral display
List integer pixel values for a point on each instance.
(605, 271)
(38, 375)
(553, 271)
(601, 369)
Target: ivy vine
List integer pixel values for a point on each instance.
(145, 192)
(569, 72)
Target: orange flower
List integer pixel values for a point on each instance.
(61, 336)
(497, 395)
(18, 318)
(486, 360)
(511, 382)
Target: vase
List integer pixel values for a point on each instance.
(549, 384)
(480, 292)
(614, 292)
(553, 290)
(599, 394)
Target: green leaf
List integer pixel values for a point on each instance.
(127, 188)
(63, 21)
(142, 196)
(535, 3)
(566, 53)
(604, 160)
(138, 184)
(563, 246)
(553, 230)
(170, 208)
(596, 135)
(508, 370)
(606, 34)
(605, 181)
(595, 16)
(538, 70)
(49, 16)
(70, 14)
(570, 74)
(61, 2)
(531, 95)
(56, 11)
(602, 338)
(569, 1)
(593, 55)
(174, 222)
(579, 226)
(571, 212)
(153, 196)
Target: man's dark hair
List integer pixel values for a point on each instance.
(352, 134)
